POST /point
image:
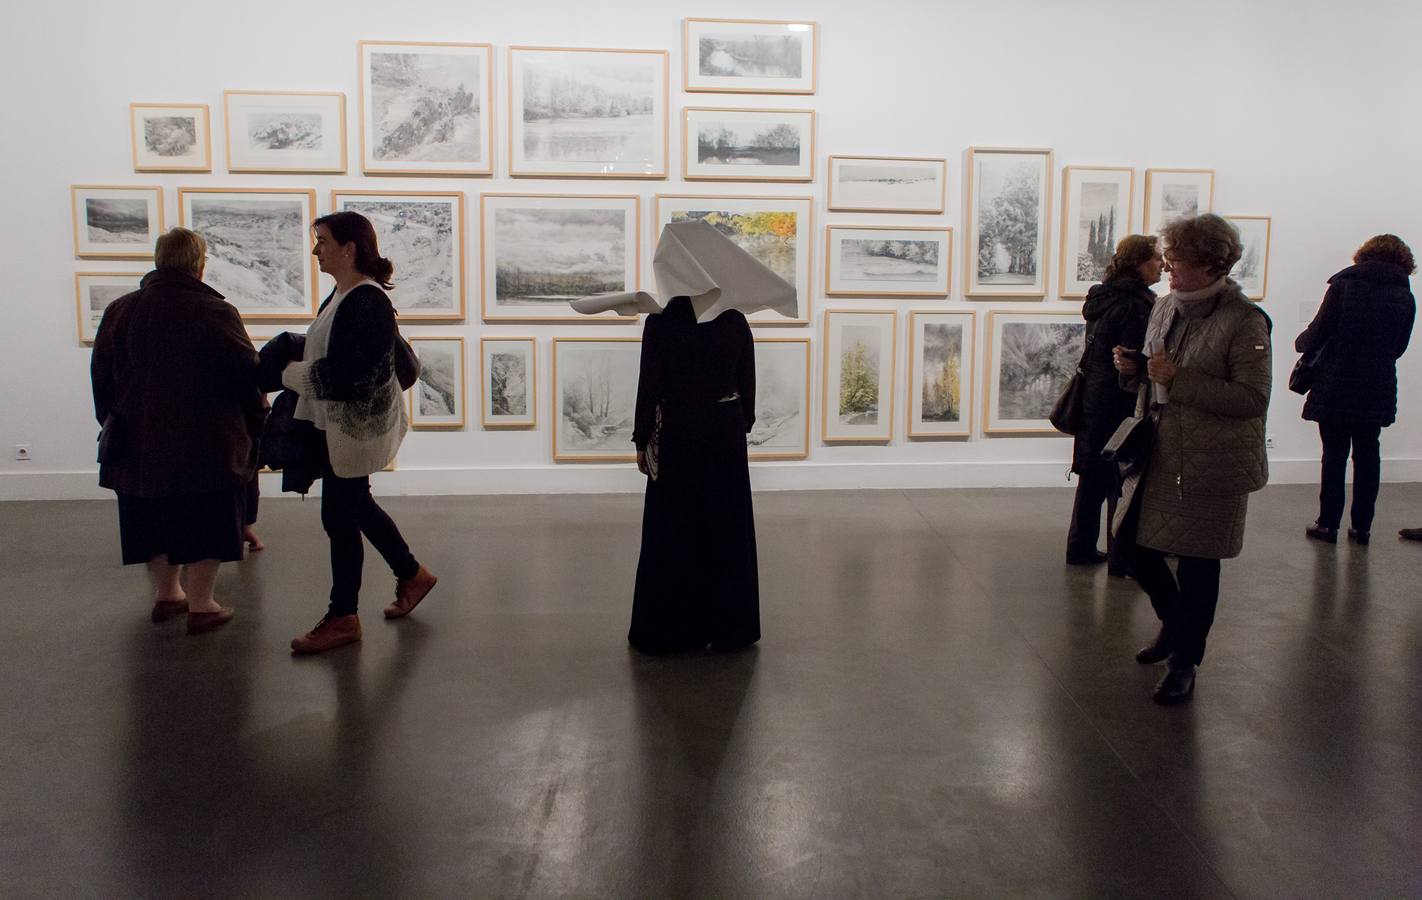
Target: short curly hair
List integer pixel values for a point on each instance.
(1208, 240)
(1131, 252)
(1387, 248)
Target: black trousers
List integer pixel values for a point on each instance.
(1184, 600)
(347, 512)
(1095, 485)
(1367, 472)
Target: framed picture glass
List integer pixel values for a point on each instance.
(114, 221)
(782, 399)
(749, 56)
(587, 113)
(170, 137)
(595, 398)
(940, 400)
(775, 230)
(1175, 193)
(508, 372)
(539, 252)
(426, 108)
(887, 261)
(285, 131)
(858, 386)
(423, 235)
(890, 184)
(1031, 357)
(1096, 213)
(258, 247)
(721, 144)
(93, 292)
(437, 397)
(1009, 198)
(1252, 270)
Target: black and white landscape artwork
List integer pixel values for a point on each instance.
(780, 399)
(941, 367)
(418, 235)
(257, 251)
(597, 397)
(1178, 201)
(889, 261)
(859, 375)
(549, 256)
(281, 130)
(170, 136)
(1008, 209)
(731, 143)
(888, 186)
(1097, 229)
(590, 109)
(437, 390)
(116, 220)
(426, 106)
(508, 384)
(751, 56)
(1035, 361)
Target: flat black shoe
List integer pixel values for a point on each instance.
(1095, 558)
(1177, 685)
(1319, 533)
(1359, 537)
(1156, 651)
(1122, 572)
(1410, 534)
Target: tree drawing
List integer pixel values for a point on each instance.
(1008, 223)
(858, 381)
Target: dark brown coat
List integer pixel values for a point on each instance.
(176, 370)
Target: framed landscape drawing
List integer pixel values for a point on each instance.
(426, 108)
(1175, 193)
(437, 397)
(747, 144)
(115, 221)
(891, 184)
(587, 113)
(541, 251)
(1008, 203)
(1031, 357)
(170, 137)
(1252, 270)
(258, 247)
(940, 400)
(285, 131)
(1096, 213)
(887, 261)
(775, 230)
(782, 399)
(858, 376)
(93, 292)
(595, 398)
(508, 373)
(750, 56)
(423, 234)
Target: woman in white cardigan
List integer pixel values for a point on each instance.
(347, 388)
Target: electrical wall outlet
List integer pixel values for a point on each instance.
(22, 452)
(1268, 442)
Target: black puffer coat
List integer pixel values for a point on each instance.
(1116, 313)
(1365, 321)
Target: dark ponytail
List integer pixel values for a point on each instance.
(351, 227)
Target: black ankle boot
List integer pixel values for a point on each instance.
(1178, 683)
(1320, 533)
(1154, 652)
(1359, 537)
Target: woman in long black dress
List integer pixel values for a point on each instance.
(696, 579)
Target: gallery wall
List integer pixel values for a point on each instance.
(1299, 108)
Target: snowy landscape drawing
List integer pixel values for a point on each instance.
(867, 185)
(548, 256)
(426, 105)
(859, 375)
(280, 130)
(116, 220)
(888, 261)
(597, 396)
(780, 398)
(508, 384)
(1250, 271)
(750, 56)
(1178, 201)
(1008, 209)
(257, 250)
(1034, 362)
(417, 234)
(437, 390)
(592, 108)
(1096, 229)
(100, 296)
(745, 143)
(170, 136)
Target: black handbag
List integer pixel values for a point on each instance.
(1305, 370)
(1069, 410)
(1130, 445)
(407, 364)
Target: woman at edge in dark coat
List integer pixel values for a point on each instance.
(1116, 313)
(1365, 323)
(697, 580)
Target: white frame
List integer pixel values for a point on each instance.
(1068, 285)
(692, 169)
(200, 160)
(453, 422)
(931, 201)
(88, 325)
(1268, 226)
(556, 395)
(735, 84)
(803, 450)
(992, 383)
(85, 247)
(487, 419)
(329, 105)
(1202, 179)
(831, 431)
(916, 428)
(455, 311)
(972, 286)
(482, 56)
(837, 284)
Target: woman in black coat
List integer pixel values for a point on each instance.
(1362, 328)
(1116, 313)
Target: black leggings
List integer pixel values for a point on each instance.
(1184, 600)
(1367, 472)
(347, 512)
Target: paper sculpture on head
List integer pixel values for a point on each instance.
(695, 260)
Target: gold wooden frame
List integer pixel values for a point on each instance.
(631, 455)
(969, 368)
(889, 379)
(989, 372)
(461, 280)
(310, 195)
(810, 241)
(945, 230)
(484, 417)
(806, 410)
(1268, 239)
(1151, 174)
(970, 226)
(515, 172)
(463, 387)
(485, 294)
(1062, 261)
(283, 170)
(206, 136)
(686, 146)
(370, 167)
(79, 297)
(158, 230)
(687, 56)
(942, 184)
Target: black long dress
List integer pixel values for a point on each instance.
(696, 579)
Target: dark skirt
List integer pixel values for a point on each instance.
(696, 580)
(188, 529)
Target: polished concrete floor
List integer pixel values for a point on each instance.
(939, 708)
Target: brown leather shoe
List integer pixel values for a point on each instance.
(203, 622)
(410, 592)
(329, 633)
(163, 610)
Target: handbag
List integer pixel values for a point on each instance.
(110, 441)
(407, 364)
(1130, 445)
(1069, 410)
(1305, 370)
(654, 448)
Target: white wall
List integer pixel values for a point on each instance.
(1304, 109)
